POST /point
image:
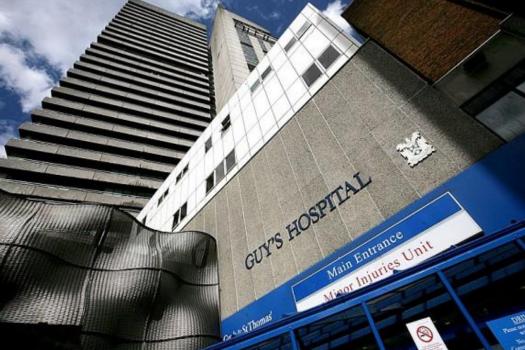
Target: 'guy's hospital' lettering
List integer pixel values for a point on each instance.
(312, 216)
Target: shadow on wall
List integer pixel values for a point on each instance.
(91, 276)
(458, 136)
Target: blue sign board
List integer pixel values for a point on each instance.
(397, 234)
(510, 331)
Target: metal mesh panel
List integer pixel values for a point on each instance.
(94, 266)
(184, 305)
(39, 288)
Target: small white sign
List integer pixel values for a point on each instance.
(426, 335)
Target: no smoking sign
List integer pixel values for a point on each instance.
(425, 335)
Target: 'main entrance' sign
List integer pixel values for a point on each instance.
(312, 216)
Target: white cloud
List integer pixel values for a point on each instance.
(7, 131)
(333, 11)
(29, 83)
(55, 33)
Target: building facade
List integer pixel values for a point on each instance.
(372, 199)
(237, 46)
(121, 118)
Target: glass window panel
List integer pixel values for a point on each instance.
(210, 182)
(230, 161)
(424, 298)
(290, 44)
(207, 145)
(482, 282)
(311, 75)
(347, 330)
(328, 57)
(303, 29)
(281, 342)
(219, 172)
(506, 117)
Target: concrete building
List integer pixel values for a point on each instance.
(237, 46)
(121, 118)
(353, 193)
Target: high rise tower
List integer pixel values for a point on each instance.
(121, 118)
(237, 46)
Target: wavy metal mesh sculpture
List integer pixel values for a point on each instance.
(95, 267)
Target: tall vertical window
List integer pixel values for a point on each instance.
(246, 45)
(179, 215)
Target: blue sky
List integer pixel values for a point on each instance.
(40, 40)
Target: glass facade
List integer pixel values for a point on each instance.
(461, 293)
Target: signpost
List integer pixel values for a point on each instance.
(425, 335)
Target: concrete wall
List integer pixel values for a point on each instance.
(352, 124)
(229, 65)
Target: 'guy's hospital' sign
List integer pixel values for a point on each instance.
(312, 216)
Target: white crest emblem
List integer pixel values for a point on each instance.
(415, 149)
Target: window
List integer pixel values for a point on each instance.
(311, 75)
(179, 216)
(226, 123)
(207, 145)
(182, 173)
(230, 161)
(144, 219)
(303, 29)
(328, 56)
(246, 45)
(163, 196)
(210, 182)
(290, 44)
(266, 72)
(219, 172)
(255, 85)
(251, 67)
(501, 105)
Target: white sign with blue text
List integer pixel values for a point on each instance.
(423, 234)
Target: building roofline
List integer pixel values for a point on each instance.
(169, 13)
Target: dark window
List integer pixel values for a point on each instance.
(163, 196)
(247, 48)
(183, 211)
(290, 44)
(347, 330)
(328, 56)
(424, 298)
(501, 105)
(175, 220)
(280, 342)
(144, 219)
(255, 86)
(226, 123)
(207, 145)
(210, 182)
(182, 173)
(266, 72)
(230, 161)
(251, 67)
(219, 172)
(303, 29)
(311, 75)
(482, 281)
